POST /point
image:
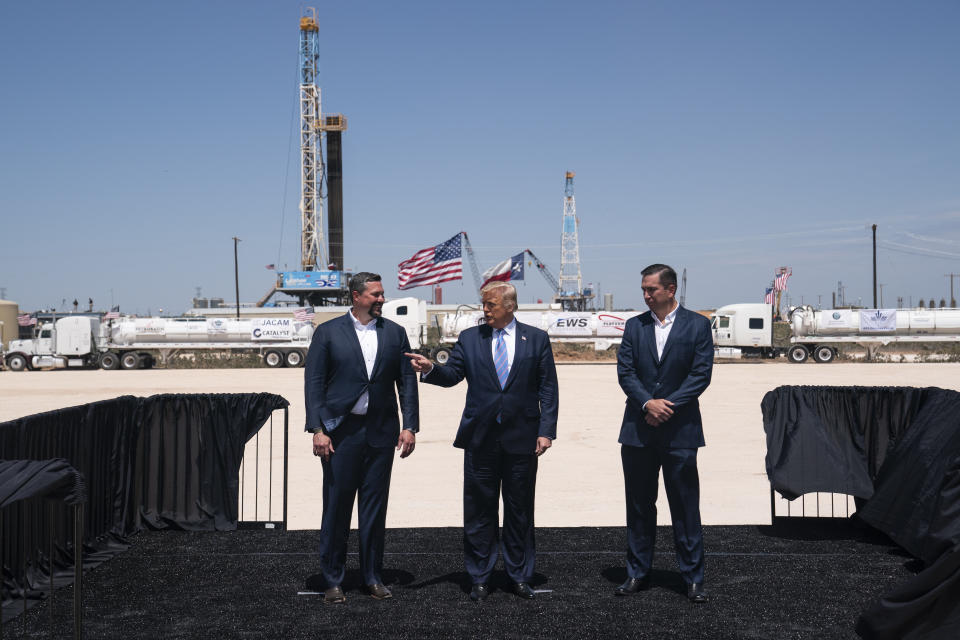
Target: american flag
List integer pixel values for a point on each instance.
(111, 315)
(433, 265)
(26, 321)
(768, 297)
(303, 315)
(780, 283)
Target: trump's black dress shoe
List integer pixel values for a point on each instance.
(479, 592)
(696, 592)
(633, 585)
(523, 590)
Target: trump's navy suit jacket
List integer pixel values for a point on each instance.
(336, 377)
(680, 376)
(527, 405)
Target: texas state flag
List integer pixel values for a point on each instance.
(509, 269)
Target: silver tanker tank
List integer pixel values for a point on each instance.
(138, 331)
(806, 321)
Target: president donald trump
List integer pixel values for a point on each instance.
(510, 419)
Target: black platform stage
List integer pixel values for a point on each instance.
(792, 580)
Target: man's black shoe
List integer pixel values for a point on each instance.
(696, 592)
(479, 592)
(523, 590)
(633, 585)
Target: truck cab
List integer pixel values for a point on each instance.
(411, 314)
(747, 327)
(69, 342)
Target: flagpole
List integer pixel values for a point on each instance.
(236, 273)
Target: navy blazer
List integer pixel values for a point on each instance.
(336, 377)
(527, 404)
(680, 376)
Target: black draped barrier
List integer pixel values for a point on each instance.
(24, 484)
(164, 461)
(898, 449)
(50, 479)
(833, 439)
(916, 502)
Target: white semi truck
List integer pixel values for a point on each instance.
(132, 343)
(818, 334)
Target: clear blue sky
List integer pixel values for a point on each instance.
(724, 137)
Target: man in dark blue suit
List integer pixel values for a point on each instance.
(352, 367)
(510, 418)
(664, 364)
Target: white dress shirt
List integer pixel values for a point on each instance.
(367, 335)
(662, 329)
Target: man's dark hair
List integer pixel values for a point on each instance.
(667, 275)
(359, 281)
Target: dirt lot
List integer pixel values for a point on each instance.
(580, 481)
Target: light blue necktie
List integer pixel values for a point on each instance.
(500, 359)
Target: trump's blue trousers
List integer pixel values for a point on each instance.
(487, 473)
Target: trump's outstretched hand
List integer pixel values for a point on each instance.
(420, 364)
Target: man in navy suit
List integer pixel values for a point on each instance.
(510, 419)
(664, 364)
(352, 366)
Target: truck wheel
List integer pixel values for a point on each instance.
(273, 359)
(823, 354)
(797, 353)
(441, 355)
(130, 360)
(294, 359)
(109, 361)
(16, 362)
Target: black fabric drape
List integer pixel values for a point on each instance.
(833, 439)
(27, 488)
(50, 479)
(898, 448)
(926, 606)
(166, 461)
(192, 448)
(917, 496)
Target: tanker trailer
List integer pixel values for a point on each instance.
(819, 333)
(131, 343)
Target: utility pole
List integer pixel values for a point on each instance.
(874, 266)
(953, 301)
(236, 273)
(881, 296)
